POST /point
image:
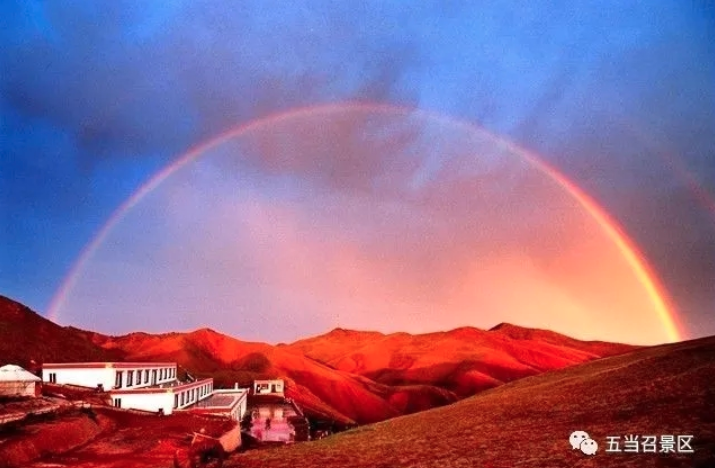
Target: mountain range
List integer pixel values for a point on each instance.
(343, 376)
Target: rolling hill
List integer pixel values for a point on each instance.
(345, 376)
(465, 360)
(28, 339)
(320, 389)
(663, 390)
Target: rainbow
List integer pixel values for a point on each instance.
(666, 312)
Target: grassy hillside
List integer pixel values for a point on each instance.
(661, 390)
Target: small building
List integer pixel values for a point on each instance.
(269, 387)
(277, 420)
(147, 386)
(16, 381)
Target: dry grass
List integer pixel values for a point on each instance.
(663, 390)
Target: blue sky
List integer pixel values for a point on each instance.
(95, 97)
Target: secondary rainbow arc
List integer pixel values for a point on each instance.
(656, 293)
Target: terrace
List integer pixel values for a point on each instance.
(226, 402)
(274, 421)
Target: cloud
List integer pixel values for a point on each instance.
(499, 242)
(92, 95)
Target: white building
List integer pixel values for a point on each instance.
(110, 375)
(16, 381)
(268, 387)
(165, 397)
(148, 386)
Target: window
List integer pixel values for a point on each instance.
(153, 376)
(117, 402)
(183, 399)
(139, 377)
(176, 401)
(146, 376)
(130, 378)
(53, 377)
(118, 379)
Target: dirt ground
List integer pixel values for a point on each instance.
(108, 439)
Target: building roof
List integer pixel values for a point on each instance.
(174, 386)
(101, 365)
(13, 373)
(218, 400)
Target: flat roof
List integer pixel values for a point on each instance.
(100, 365)
(218, 402)
(167, 387)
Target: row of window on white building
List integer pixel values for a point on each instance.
(141, 376)
(191, 396)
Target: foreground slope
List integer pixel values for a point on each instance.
(661, 390)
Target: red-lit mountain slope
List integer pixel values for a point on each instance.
(322, 390)
(465, 360)
(28, 339)
(346, 376)
(658, 390)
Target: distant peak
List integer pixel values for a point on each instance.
(465, 332)
(346, 331)
(343, 331)
(465, 328)
(505, 326)
(526, 333)
(204, 331)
